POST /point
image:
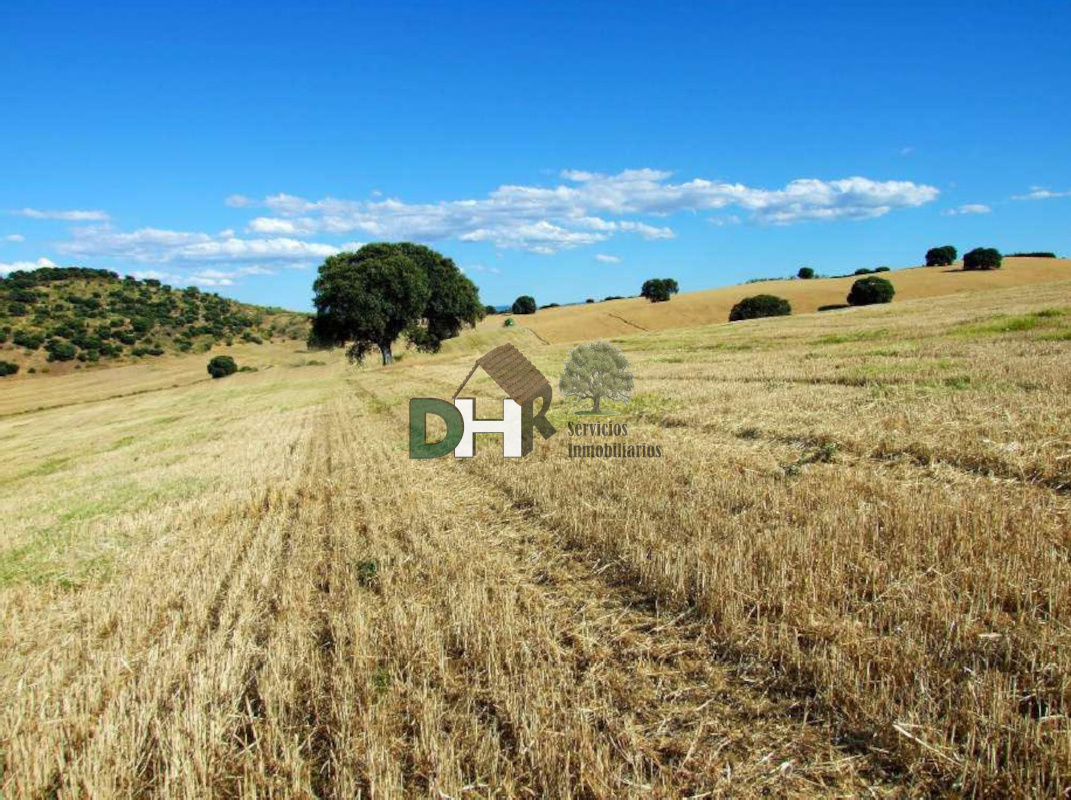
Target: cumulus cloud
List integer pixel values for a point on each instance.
(1040, 193)
(158, 246)
(16, 266)
(14, 237)
(969, 208)
(67, 216)
(585, 209)
(607, 259)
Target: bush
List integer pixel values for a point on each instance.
(869, 291)
(8, 368)
(489, 310)
(60, 351)
(590, 300)
(659, 290)
(222, 366)
(613, 297)
(882, 269)
(760, 305)
(982, 258)
(525, 304)
(1032, 255)
(255, 369)
(805, 273)
(509, 323)
(862, 271)
(941, 256)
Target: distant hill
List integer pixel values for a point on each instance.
(620, 317)
(56, 318)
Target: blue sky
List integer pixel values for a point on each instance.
(564, 150)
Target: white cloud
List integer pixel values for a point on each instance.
(156, 246)
(25, 266)
(607, 259)
(14, 237)
(721, 222)
(1040, 193)
(906, 151)
(586, 209)
(480, 268)
(239, 201)
(68, 216)
(969, 208)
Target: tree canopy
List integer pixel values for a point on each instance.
(596, 370)
(805, 273)
(982, 258)
(525, 304)
(659, 290)
(760, 305)
(941, 256)
(369, 298)
(870, 291)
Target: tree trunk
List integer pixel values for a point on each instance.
(596, 409)
(384, 350)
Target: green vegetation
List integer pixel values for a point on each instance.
(8, 368)
(659, 290)
(222, 366)
(982, 258)
(805, 273)
(870, 291)
(92, 315)
(369, 298)
(525, 304)
(1044, 254)
(760, 305)
(941, 256)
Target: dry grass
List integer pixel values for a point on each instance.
(712, 306)
(850, 574)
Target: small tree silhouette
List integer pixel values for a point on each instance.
(594, 371)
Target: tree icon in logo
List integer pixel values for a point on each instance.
(596, 370)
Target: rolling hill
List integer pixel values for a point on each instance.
(57, 319)
(711, 306)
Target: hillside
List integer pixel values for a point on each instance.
(56, 319)
(631, 315)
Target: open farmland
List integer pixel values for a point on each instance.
(711, 306)
(849, 573)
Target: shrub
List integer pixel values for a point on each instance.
(869, 291)
(222, 366)
(1032, 255)
(862, 271)
(31, 341)
(60, 351)
(590, 300)
(613, 297)
(489, 310)
(882, 269)
(805, 273)
(255, 369)
(943, 256)
(18, 310)
(982, 258)
(509, 323)
(525, 304)
(659, 290)
(8, 368)
(760, 305)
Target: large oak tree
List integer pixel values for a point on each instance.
(369, 298)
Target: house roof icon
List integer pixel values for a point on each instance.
(514, 373)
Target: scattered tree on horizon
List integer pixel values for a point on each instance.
(944, 256)
(871, 291)
(805, 273)
(760, 305)
(369, 298)
(594, 371)
(982, 258)
(525, 304)
(659, 290)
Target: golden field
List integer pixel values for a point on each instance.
(848, 575)
(712, 306)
